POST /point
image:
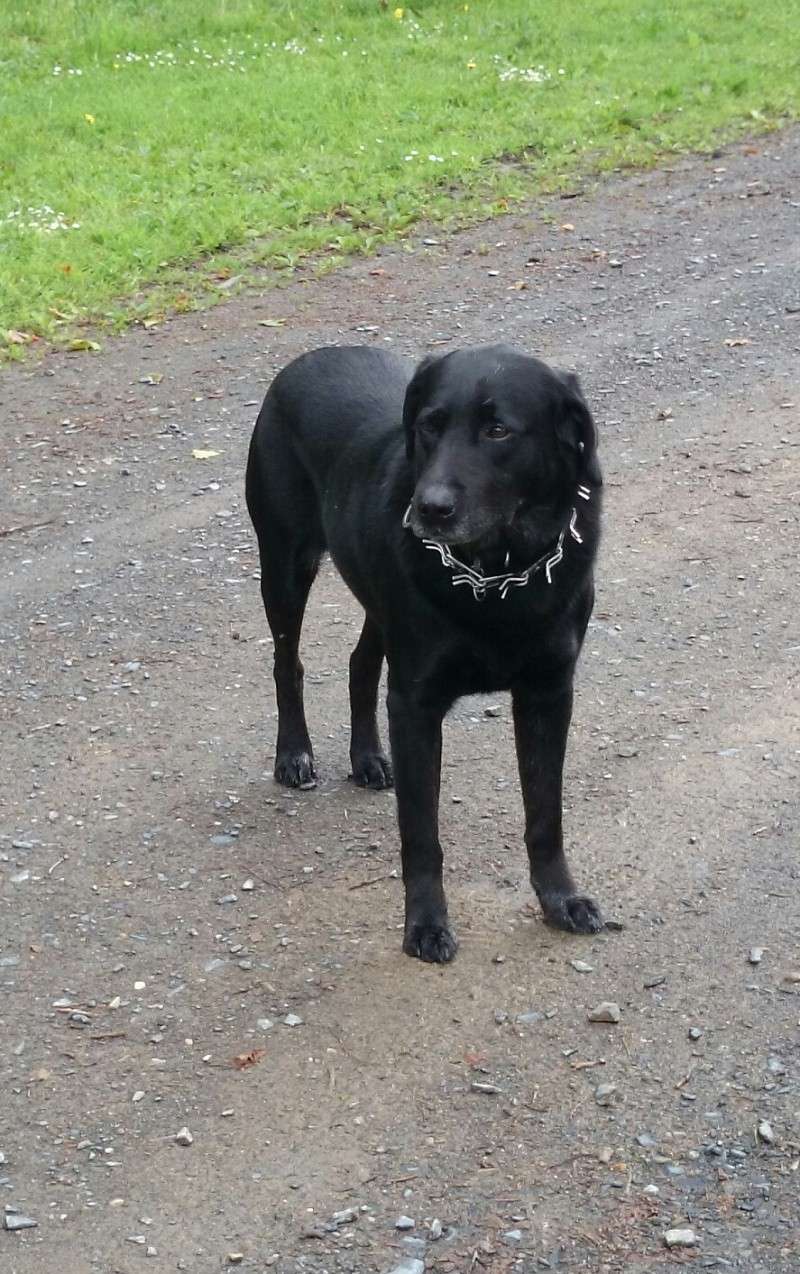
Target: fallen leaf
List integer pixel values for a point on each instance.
(519, 286)
(271, 322)
(65, 268)
(474, 1059)
(82, 343)
(243, 1061)
(733, 341)
(18, 338)
(205, 453)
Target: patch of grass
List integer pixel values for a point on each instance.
(147, 149)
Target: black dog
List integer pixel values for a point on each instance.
(461, 504)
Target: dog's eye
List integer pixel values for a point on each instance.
(496, 431)
(429, 426)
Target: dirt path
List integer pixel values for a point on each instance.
(160, 898)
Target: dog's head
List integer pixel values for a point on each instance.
(495, 437)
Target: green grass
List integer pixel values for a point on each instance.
(205, 139)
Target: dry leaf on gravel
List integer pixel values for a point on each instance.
(243, 1061)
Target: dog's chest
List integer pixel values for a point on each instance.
(466, 667)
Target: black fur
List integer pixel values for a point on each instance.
(486, 448)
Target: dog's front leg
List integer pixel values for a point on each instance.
(416, 737)
(541, 724)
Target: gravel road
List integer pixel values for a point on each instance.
(189, 954)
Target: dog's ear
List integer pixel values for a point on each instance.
(576, 429)
(413, 399)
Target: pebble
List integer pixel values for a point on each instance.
(605, 1094)
(766, 1132)
(414, 1246)
(435, 1229)
(16, 1221)
(344, 1217)
(478, 1087)
(680, 1238)
(410, 1266)
(138, 1095)
(292, 1019)
(644, 1139)
(265, 1024)
(248, 886)
(607, 1011)
(651, 1190)
(226, 898)
(183, 1137)
(580, 966)
(755, 955)
(513, 1236)
(235, 1258)
(695, 1033)
(404, 1223)
(533, 1015)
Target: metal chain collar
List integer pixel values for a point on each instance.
(482, 584)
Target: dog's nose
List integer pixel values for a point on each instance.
(436, 504)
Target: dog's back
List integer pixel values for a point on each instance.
(321, 404)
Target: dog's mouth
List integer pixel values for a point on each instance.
(491, 547)
(480, 546)
(458, 531)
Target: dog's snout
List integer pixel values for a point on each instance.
(436, 503)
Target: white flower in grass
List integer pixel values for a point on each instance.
(525, 74)
(43, 219)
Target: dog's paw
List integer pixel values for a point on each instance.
(373, 770)
(295, 769)
(432, 941)
(574, 912)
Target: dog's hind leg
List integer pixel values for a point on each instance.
(285, 585)
(370, 766)
(290, 545)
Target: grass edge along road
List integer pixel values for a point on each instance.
(154, 159)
